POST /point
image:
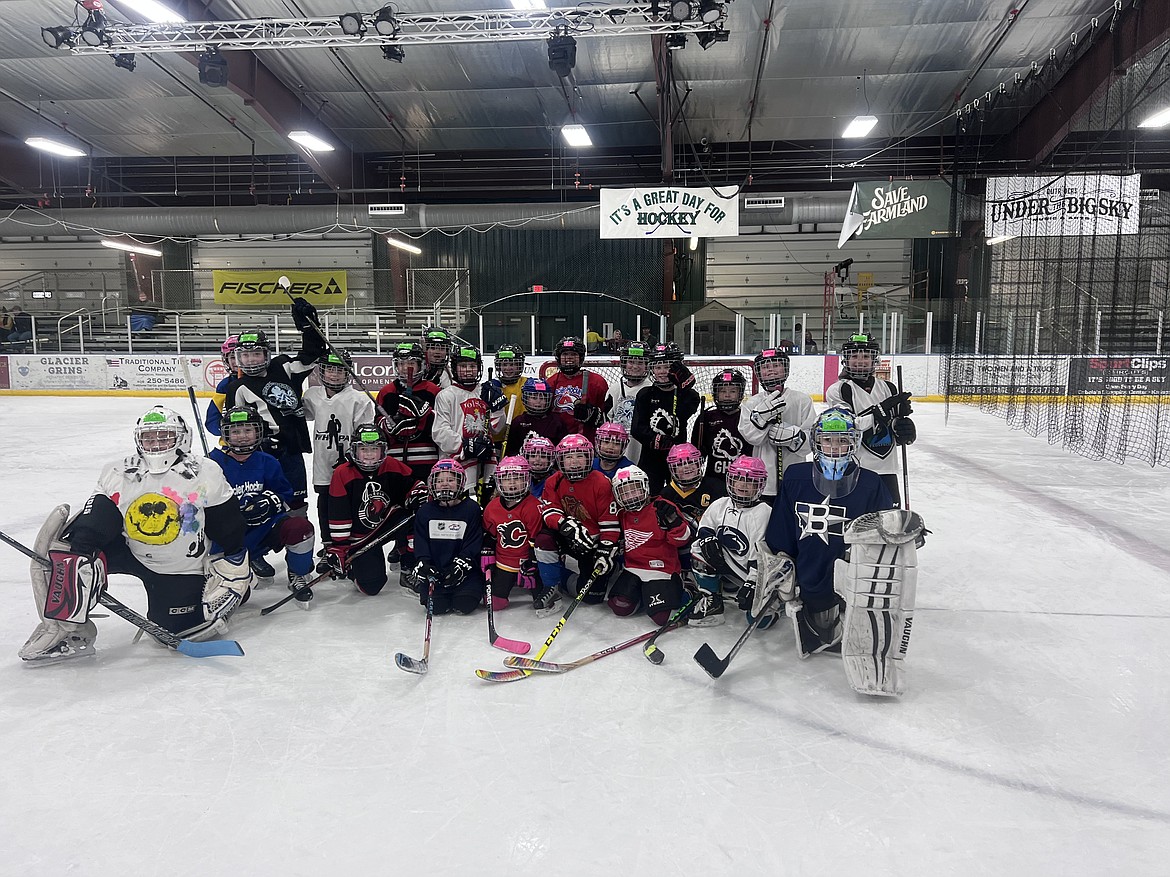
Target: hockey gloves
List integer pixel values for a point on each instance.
(260, 508)
(589, 415)
(304, 315)
(786, 436)
(229, 579)
(578, 540)
(603, 562)
(904, 430)
(766, 415)
(897, 405)
(707, 551)
(457, 574)
(667, 514)
(417, 496)
(335, 561)
(478, 448)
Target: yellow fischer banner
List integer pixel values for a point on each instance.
(259, 288)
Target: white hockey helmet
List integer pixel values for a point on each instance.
(162, 438)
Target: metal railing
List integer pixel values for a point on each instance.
(83, 317)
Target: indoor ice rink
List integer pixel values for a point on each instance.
(1028, 740)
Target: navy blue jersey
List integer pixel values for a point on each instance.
(258, 473)
(442, 533)
(810, 527)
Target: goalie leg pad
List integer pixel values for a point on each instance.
(228, 582)
(879, 583)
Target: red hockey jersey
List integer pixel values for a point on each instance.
(359, 503)
(513, 530)
(567, 393)
(647, 546)
(589, 500)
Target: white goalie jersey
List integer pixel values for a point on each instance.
(163, 515)
(738, 531)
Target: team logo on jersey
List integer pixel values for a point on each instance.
(512, 534)
(374, 506)
(878, 439)
(574, 508)
(154, 519)
(280, 396)
(564, 398)
(475, 417)
(623, 412)
(634, 539)
(821, 520)
(725, 447)
(732, 540)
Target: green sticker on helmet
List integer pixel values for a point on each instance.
(862, 338)
(154, 417)
(468, 353)
(370, 436)
(238, 417)
(506, 354)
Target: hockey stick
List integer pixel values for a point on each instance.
(905, 466)
(655, 655)
(285, 284)
(716, 666)
(513, 675)
(373, 541)
(195, 408)
(188, 647)
(672, 623)
(411, 665)
(500, 642)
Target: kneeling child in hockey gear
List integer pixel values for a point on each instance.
(581, 523)
(611, 442)
(448, 538)
(653, 531)
(511, 523)
(155, 515)
(264, 495)
(541, 456)
(370, 493)
(724, 556)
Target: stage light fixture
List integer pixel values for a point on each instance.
(710, 37)
(93, 32)
(213, 68)
(126, 61)
(562, 54)
(680, 10)
(393, 53)
(385, 22)
(710, 11)
(56, 37)
(352, 24)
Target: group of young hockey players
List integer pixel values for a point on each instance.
(651, 495)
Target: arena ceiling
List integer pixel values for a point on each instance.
(1010, 83)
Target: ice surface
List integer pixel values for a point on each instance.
(1031, 739)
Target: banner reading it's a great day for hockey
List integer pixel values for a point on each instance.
(259, 288)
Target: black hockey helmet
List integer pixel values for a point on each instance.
(409, 352)
(857, 365)
(463, 355)
(510, 363)
(765, 366)
(569, 344)
(250, 342)
(368, 447)
(243, 429)
(328, 365)
(727, 389)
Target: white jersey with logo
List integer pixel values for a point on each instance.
(334, 418)
(878, 451)
(738, 531)
(163, 515)
(621, 410)
(798, 411)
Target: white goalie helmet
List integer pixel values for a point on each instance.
(162, 438)
(631, 488)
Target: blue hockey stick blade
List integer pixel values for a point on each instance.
(210, 649)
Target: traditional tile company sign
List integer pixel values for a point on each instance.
(260, 288)
(668, 212)
(904, 209)
(1074, 205)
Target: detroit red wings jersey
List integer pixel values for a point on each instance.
(359, 503)
(513, 530)
(648, 548)
(589, 500)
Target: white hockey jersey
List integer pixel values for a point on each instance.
(798, 411)
(461, 413)
(621, 410)
(878, 452)
(334, 418)
(163, 515)
(738, 531)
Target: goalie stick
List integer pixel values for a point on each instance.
(716, 666)
(418, 666)
(513, 675)
(672, 623)
(208, 649)
(374, 541)
(500, 642)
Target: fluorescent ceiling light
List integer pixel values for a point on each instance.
(1160, 119)
(529, 4)
(54, 146)
(694, 245)
(999, 239)
(151, 11)
(131, 248)
(576, 135)
(403, 245)
(860, 126)
(311, 142)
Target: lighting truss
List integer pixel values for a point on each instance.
(497, 25)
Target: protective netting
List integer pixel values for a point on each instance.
(1062, 330)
